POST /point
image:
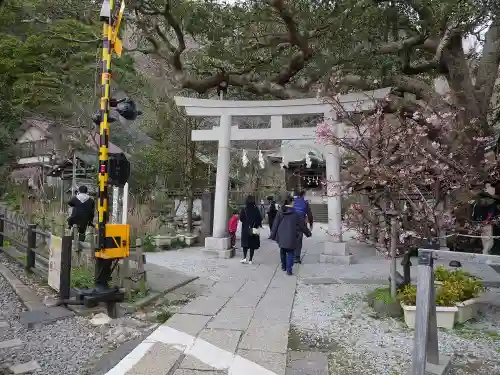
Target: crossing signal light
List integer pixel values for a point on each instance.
(119, 170)
(127, 109)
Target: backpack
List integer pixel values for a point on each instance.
(300, 206)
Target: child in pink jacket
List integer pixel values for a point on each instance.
(233, 227)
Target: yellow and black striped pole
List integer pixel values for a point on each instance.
(102, 206)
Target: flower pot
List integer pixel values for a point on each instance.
(181, 238)
(445, 316)
(467, 310)
(161, 241)
(190, 240)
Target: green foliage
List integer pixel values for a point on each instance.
(441, 273)
(148, 244)
(163, 316)
(49, 56)
(381, 294)
(458, 286)
(82, 277)
(408, 295)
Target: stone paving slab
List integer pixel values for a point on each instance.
(275, 362)
(44, 316)
(268, 338)
(237, 318)
(295, 371)
(190, 324)
(24, 368)
(198, 372)
(205, 305)
(249, 299)
(222, 338)
(276, 316)
(226, 288)
(158, 360)
(10, 343)
(308, 362)
(193, 363)
(163, 279)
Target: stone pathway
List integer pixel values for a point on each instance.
(238, 326)
(16, 368)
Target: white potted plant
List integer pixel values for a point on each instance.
(190, 239)
(164, 240)
(456, 299)
(445, 315)
(470, 288)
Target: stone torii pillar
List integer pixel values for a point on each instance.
(220, 240)
(335, 250)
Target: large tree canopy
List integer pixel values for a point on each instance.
(284, 48)
(49, 66)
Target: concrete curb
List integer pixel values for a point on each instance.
(26, 295)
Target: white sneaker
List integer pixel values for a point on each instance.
(250, 262)
(244, 261)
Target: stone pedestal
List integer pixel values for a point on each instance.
(221, 247)
(337, 253)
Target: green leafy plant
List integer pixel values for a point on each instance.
(82, 277)
(457, 287)
(441, 273)
(382, 294)
(449, 293)
(148, 243)
(163, 316)
(408, 295)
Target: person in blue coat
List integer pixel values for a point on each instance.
(287, 231)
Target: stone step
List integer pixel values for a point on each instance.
(4, 324)
(25, 368)
(10, 343)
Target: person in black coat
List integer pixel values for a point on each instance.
(271, 212)
(287, 231)
(251, 221)
(82, 213)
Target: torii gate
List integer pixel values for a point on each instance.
(335, 250)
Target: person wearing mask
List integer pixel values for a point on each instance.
(251, 222)
(82, 213)
(302, 208)
(288, 227)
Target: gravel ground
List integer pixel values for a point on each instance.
(66, 347)
(337, 319)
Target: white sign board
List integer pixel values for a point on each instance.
(55, 250)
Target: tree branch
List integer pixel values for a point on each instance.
(304, 54)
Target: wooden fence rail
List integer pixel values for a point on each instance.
(30, 246)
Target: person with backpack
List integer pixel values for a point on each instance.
(288, 227)
(272, 211)
(303, 209)
(82, 213)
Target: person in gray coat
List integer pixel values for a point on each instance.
(287, 228)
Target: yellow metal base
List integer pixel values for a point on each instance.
(117, 242)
